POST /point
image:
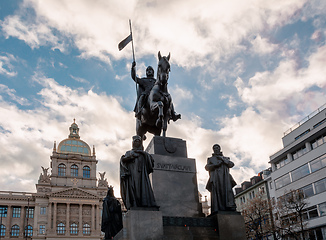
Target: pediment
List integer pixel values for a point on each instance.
(74, 193)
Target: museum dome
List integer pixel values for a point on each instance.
(73, 144)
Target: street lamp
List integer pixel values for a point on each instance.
(27, 216)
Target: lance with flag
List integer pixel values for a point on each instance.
(127, 40)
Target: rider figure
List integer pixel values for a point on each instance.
(145, 85)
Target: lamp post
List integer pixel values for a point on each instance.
(27, 216)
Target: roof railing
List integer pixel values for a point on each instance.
(305, 119)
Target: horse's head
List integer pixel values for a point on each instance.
(163, 69)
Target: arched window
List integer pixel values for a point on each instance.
(15, 231)
(2, 230)
(29, 231)
(86, 172)
(62, 170)
(61, 228)
(73, 229)
(74, 170)
(86, 229)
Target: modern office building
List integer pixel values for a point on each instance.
(301, 164)
(68, 199)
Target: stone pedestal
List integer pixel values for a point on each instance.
(141, 225)
(174, 178)
(231, 226)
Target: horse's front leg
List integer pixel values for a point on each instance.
(158, 105)
(165, 126)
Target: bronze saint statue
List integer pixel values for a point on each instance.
(220, 181)
(111, 215)
(145, 85)
(154, 108)
(135, 185)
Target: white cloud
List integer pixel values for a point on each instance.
(262, 46)
(6, 67)
(196, 32)
(11, 93)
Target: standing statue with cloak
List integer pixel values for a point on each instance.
(220, 181)
(135, 185)
(111, 215)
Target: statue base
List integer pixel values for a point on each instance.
(174, 179)
(230, 225)
(141, 224)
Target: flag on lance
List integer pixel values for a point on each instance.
(125, 41)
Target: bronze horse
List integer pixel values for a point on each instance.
(158, 109)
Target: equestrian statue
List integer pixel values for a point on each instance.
(154, 108)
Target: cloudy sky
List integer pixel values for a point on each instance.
(242, 73)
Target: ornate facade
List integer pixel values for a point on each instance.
(67, 203)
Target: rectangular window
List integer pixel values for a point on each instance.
(312, 211)
(300, 172)
(322, 209)
(318, 163)
(299, 152)
(16, 212)
(282, 181)
(42, 229)
(30, 212)
(308, 190)
(43, 210)
(3, 211)
(320, 186)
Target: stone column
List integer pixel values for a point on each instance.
(8, 224)
(97, 218)
(55, 217)
(22, 222)
(36, 213)
(93, 219)
(67, 219)
(80, 225)
(49, 225)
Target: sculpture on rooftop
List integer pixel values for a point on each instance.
(220, 181)
(154, 108)
(135, 185)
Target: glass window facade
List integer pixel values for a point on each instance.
(299, 152)
(74, 170)
(300, 172)
(62, 170)
(318, 163)
(282, 181)
(320, 186)
(86, 172)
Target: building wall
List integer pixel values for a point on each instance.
(301, 164)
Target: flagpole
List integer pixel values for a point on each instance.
(132, 42)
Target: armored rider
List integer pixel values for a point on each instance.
(145, 85)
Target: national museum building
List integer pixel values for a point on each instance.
(67, 203)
